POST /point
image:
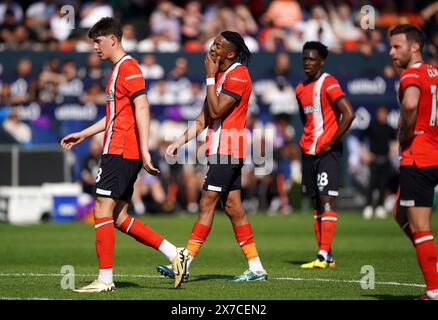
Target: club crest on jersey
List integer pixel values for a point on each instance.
(110, 95)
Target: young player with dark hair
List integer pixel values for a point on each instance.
(125, 152)
(326, 115)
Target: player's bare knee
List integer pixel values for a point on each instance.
(327, 206)
(119, 219)
(206, 207)
(103, 208)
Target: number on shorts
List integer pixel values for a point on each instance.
(322, 180)
(98, 175)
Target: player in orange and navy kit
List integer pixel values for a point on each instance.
(322, 103)
(418, 139)
(224, 114)
(125, 152)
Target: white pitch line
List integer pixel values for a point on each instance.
(391, 283)
(353, 281)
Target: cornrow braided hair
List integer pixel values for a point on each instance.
(242, 51)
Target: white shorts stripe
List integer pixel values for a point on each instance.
(214, 188)
(103, 223)
(423, 239)
(103, 192)
(329, 218)
(317, 216)
(407, 203)
(130, 225)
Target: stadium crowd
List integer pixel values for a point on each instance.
(172, 26)
(151, 27)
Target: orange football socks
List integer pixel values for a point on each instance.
(105, 238)
(141, 232)
(197, 238)
(328, 227)
(427, 257)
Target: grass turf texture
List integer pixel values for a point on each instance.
(31, 258)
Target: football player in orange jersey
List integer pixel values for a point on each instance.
(125, 152)
(418, 139)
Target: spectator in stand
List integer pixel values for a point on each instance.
(343, 26)
(280, 180)
(283, 14)
(60, 27)
(12, 6)
(151, 187)
(19, 130)
(281, 67)
(246, 26)
(380, 136)
(191, 27)
(281, 98)
(150, 68)
(430, 16)
(8, 26)
(71, 87)
(48, 81)
(159, 94)
(165, 27)
(92, 71)
(93, 11)
(94, 94)
(38, 17)
(129, 41)
(21, 88)
(318, 28)
(179, 70)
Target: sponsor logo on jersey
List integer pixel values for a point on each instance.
(133, 77)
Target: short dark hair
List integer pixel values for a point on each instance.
(318, 46)
(412, 33)
(105, 27)
(242, 52)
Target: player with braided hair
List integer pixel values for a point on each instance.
(229, 88)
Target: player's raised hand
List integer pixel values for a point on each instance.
(71, 140)
(147, 165)
(211, 65)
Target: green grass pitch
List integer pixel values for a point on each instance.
(31, 258)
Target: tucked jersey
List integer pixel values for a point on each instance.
(227, 136)
(124, 85)
(317, 101)
(422, 149)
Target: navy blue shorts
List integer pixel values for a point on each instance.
(116, 177)
(417, 186)
(224, 174)
(321, 172)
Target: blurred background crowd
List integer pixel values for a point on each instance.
(171, 26)
(154, 28)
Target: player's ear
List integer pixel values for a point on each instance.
(113, 40)
(231, 55)
(415, 47)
